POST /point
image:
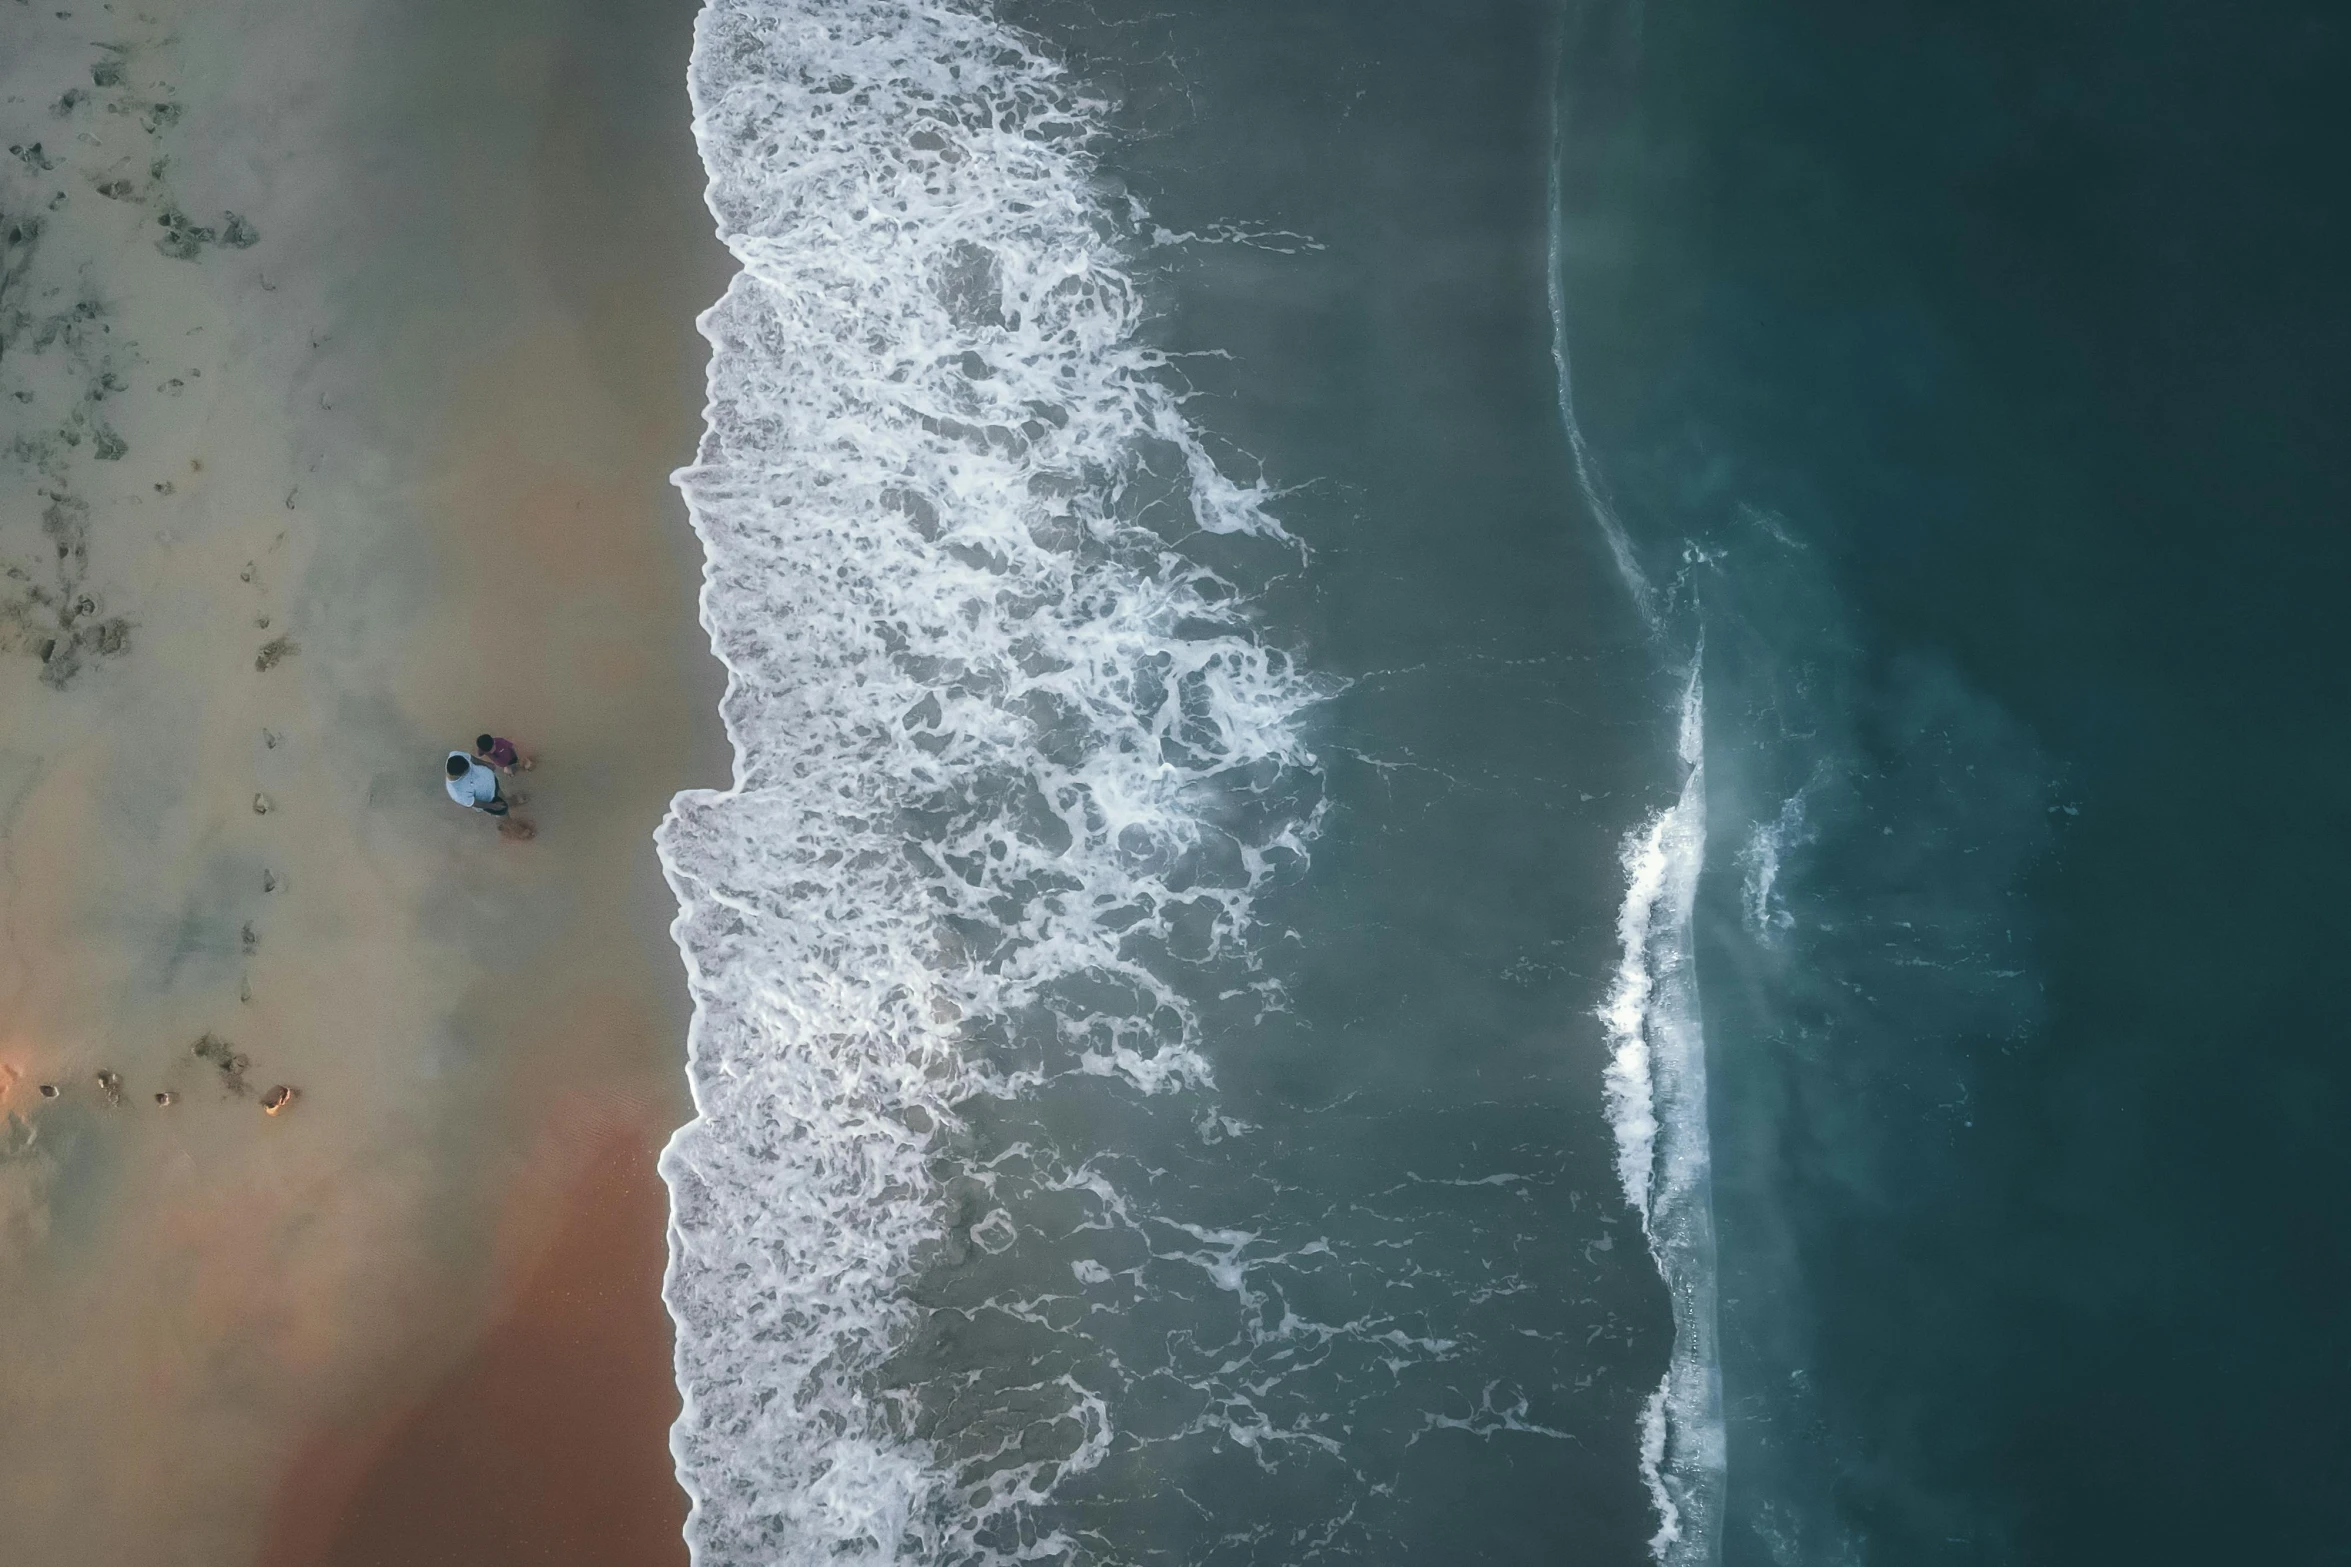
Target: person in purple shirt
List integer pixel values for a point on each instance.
(500, 753)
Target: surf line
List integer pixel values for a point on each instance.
(1656, 1087)
(977, 703)
(1655, 1079)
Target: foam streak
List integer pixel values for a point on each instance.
(1589, 479)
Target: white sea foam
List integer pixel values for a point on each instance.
(1002, 745)
(1656, 1084)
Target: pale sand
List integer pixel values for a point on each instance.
(462, 347)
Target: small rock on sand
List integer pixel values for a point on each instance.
(276, 1099)
(261, 805)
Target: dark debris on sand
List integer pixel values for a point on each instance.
(44, 608)
(52, 614)
(48, 608)
(182, 240)
(226, 1059)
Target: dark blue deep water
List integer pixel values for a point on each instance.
(1993, 359)
(1971, 383)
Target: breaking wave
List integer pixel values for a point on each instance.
(1008, 754)
(1656, 1084)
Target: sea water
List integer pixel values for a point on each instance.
(1135, 1122)
(1013, 763)
(1955, 382)
(1404, 767)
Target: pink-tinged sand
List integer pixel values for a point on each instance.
(533, 1448)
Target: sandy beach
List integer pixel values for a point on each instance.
(347, 350)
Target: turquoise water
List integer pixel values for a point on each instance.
(1988, 358)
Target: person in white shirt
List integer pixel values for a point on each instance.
(474, 786)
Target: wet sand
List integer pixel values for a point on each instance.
(568, 1379)
(420, 425)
